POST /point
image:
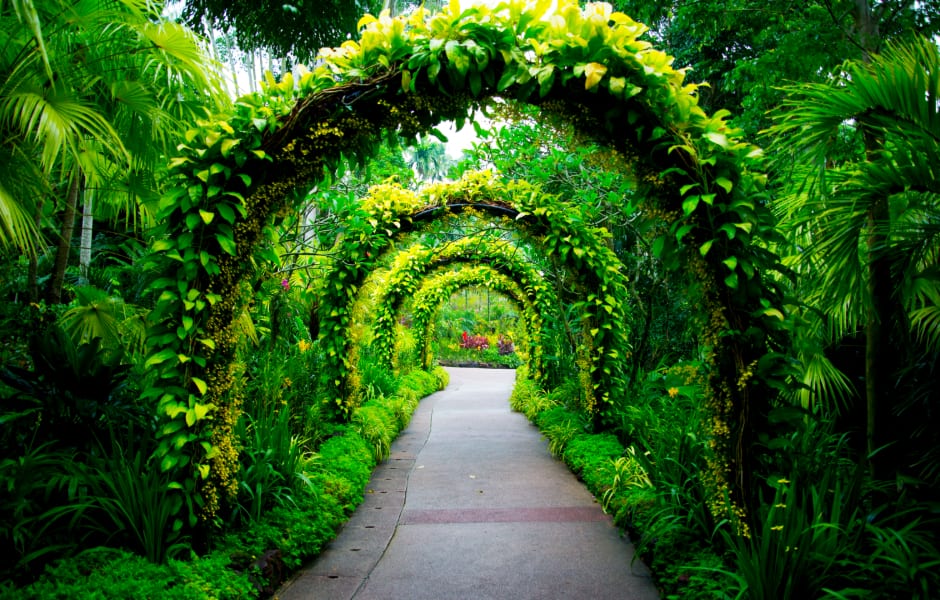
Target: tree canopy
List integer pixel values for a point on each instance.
(298, 28)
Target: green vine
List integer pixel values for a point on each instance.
(504, 269)
(235, 174)
(555, 226)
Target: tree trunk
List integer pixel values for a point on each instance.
(88, 228)
(32, 273)
(65, 239)
(878, 319)
(878, 356)
(250, 61)
(866, 27)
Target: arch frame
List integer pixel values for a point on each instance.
(237, 172)
(437, 290)
(414, 266)
(387, 213)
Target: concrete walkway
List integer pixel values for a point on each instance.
(470, 505)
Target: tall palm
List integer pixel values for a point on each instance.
(428, 157)
(92, 96)
(868, 225)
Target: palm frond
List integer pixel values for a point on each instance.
(58, 119)
(95, 316)
(925, 314)
(20, 184)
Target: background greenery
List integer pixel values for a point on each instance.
(93, 99)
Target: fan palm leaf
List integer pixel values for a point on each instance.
(112, 81)
(832, 210)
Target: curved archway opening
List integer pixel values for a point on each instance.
(239, 171)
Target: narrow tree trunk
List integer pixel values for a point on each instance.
(250, 60)
(866, 27)
(32, 273)
(210, 34)
(88, 227)
(878, 355)
(65, 239)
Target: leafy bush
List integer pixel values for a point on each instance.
(297, 503)
(128, 501)
(105, 573)
(560, 426)
(34, 526)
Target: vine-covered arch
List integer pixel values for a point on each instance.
(238, 171)
(436, 290)
(558, 230)
(412, 268)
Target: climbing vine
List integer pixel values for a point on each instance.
(555, 226)
(503, 261)
(237, 173)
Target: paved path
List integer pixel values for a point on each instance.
(470, 505)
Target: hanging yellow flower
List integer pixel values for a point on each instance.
(303, 345)
(673, 392)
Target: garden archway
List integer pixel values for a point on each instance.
(237, 172)
(435, 291)
(413, 267)
(561, 233)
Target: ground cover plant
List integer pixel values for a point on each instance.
(734, 348)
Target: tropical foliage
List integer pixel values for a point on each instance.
(740, 365)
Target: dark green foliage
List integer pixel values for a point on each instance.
(289, 522)
(73, 394)
(131, 503)
(293, 28)
(34, 526)
(747, 49)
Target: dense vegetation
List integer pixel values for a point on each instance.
(194, 389)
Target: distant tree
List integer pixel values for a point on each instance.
(428, 158)
(296, 28)
(746, 49)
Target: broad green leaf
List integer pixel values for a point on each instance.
(226, 243)
(716, 138)
(159, 357)
(202, 410)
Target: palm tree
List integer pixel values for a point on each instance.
(428, 157)
(92, 96)
(867, 224)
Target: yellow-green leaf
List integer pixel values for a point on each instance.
(593, 73)
(200, 385)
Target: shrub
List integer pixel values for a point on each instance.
(104, 573)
